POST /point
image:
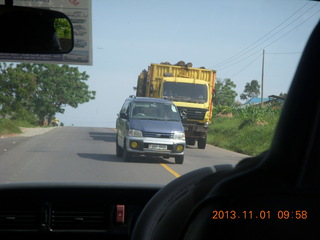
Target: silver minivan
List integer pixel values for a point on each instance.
(150, 126)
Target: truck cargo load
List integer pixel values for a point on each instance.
(190, 89)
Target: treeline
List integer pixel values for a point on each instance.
(225, 93)
(36, 92)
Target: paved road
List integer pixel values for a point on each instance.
(87, 154)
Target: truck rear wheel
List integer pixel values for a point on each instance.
(179, 159)
(202, 142)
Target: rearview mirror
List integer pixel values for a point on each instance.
(34, 30)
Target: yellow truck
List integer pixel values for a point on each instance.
(190, 89)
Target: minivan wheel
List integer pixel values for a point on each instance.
(179, 159)
(126, 155)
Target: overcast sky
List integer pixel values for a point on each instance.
(227, 36)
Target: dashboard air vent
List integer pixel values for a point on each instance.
(19, 220)
(78, 220)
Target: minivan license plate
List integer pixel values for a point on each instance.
(157, 147)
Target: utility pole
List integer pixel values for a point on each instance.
(262, 77)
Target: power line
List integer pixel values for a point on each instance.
(246, 66)
(292, 29)
(265, 46)
(255, 59)
(244, 52)
(241, 60)
(284, 53)
(234, 56)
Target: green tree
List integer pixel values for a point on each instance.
(251, 90)
(58, 86)
(6, 95)
(224, 92)
(16, 88)
(41, 90)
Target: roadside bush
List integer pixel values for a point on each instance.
(24, 115)
(222, 110)
(8, 126)
(257, 115)
(249, 131)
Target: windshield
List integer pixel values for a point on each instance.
(154, 111)
(185, 92)
(58, 122)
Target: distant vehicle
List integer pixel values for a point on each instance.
(189, 88)
(150, 126)
(55, 122)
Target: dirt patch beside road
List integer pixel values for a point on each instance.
(29, 132)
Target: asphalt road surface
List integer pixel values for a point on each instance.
(87, 154)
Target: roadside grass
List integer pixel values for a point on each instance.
(245, 133)
(8, 126)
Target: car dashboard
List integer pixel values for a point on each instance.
(54, 210)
